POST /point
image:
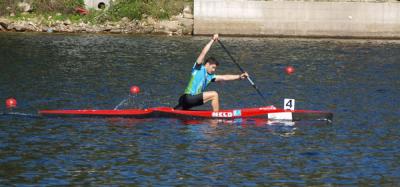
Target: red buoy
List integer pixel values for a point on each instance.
(135, 90)
(289, 70)
(11, 103)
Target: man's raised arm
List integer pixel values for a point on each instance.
(205, 50)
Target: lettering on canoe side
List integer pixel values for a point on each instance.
(222, 114)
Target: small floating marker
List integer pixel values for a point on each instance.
(289, 70)
(135, 90)
(11, 103)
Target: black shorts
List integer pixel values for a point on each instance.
(187, 101)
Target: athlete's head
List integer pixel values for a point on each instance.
(211, 65)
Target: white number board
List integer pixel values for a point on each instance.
(288, 104)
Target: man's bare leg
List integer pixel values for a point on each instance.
(213, 97)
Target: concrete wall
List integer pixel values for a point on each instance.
(295, 18)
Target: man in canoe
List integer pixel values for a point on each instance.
(202, 75)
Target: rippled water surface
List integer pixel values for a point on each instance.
(357, 80)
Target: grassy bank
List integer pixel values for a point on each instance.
(65, 9)
(40, 6)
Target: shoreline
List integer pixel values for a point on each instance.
(177, 25)
(366, 38)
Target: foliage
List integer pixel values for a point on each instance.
(132, 9)
(7, 6)
(41, 6)
(136, 9)
(61, 6)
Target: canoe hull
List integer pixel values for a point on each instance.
(267, 112)
(261, 112)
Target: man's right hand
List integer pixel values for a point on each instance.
(243, 75)
(215, 37)
(203, 53)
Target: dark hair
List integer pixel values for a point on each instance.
(212, 60)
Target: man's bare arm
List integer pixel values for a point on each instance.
(205, 50)
(231, 77)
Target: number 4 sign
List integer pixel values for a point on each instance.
(288, 104)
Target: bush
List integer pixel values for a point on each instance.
(125, 8)
(135, 9)
(41, 6)
(62, 6)
(7, 6)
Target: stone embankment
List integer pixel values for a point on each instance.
(181, 24)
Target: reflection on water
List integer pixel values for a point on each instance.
(358, 80)
(281, 128)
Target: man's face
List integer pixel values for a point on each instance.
(211, 68)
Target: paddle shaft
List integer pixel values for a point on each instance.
(242, 70)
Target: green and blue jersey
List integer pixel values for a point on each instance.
(199, 80)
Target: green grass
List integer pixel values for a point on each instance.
(59, 6)
(41, 6)
(7, 6)
(132, 9)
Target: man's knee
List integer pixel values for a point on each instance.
(214, 94)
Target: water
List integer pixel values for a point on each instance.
(358, 80)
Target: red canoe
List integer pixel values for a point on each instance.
(90, 112)
(267, 112)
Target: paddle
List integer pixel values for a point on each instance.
(241, 69)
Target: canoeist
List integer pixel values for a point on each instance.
(203, 72)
